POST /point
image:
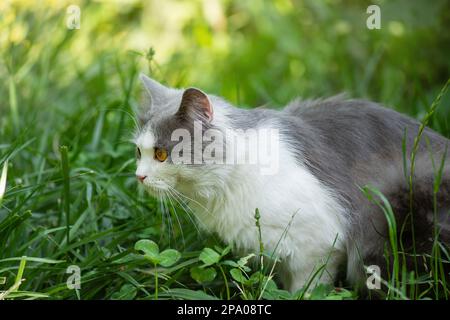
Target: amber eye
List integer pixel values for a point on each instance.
(138, 153)
(160, 154)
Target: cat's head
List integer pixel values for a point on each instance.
(166, 152)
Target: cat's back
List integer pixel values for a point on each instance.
(355, 113)
(361, 123)
(350, 143)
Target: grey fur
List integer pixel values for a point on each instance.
(349, 144)
(166, 111)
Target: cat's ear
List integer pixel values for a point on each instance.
(154, 92)
(196, 103)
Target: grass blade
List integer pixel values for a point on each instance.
(3, 180)
(66, 189)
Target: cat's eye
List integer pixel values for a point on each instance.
(138, 153)
(161, 154)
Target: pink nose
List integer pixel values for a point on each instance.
(141, 178)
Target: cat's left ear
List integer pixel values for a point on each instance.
(155, 93)
(195, 102)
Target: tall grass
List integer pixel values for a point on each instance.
(79, 205)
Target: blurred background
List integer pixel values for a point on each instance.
(77, 87)
(251, 52)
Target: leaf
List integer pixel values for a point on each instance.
(202, 275)
(127, 258)
(321, 291)
(255, 278)
(150, 249)
(343, 293)
(169, 257)
(187, 294)
(34, 259)
(27, 295)
(3, 180)
(127, 292)
(277, 294)
(271, 291)
(223, 252)
(230, 263)
(243, 261)
(209, 257)
(226, 251)
(237, 275)
(270, 284)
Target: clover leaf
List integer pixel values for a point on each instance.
(151, 252)
(209, 257)
(169, 257)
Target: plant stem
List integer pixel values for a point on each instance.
(226, 282)
(156, 282)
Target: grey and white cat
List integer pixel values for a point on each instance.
(312, 209)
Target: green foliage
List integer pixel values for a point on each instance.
(150, 249)
(202, 275)
(209, 257)
(78, 205)
(126, 292)
(165, 258)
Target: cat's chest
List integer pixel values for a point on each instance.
(292, 204)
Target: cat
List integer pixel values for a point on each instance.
(313, 209)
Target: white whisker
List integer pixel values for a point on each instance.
(176, 215)
(183, 196)
(186, 209)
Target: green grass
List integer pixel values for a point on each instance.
(66, 119)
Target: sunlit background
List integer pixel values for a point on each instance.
(251, 52)
(78, 87)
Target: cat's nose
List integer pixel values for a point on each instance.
(141, 178)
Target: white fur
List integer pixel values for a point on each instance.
(300, 218)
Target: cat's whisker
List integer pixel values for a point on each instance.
(133, 117)
(166, 216)
(182, 195)
(183, 203)
(158, 199)
(189, 211)
(169, 218)
(169, 197)
(186, 209)
(160, 205)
